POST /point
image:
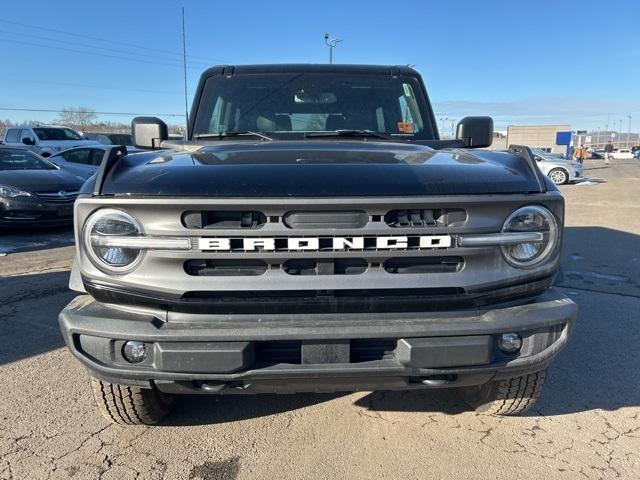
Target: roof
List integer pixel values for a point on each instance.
(310, 68)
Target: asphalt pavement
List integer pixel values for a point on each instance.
(585, 425)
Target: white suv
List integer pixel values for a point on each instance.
(45, 140)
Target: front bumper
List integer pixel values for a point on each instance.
(200, 353)
(34, 211)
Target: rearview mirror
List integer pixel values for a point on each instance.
(28, 141)
(475, 131)
(148, 132)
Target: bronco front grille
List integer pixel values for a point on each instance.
(318, 255)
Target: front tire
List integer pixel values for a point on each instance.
(127, 405)
(559, 176)
(506, 397)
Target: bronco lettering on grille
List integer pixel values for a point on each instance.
(398, 242)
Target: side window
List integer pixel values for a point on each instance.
(380, 120)
(217, 120)
(410, 112)
(13, 135)
(95, 157)
(81, 155)
(27, 133)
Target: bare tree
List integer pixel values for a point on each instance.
(80, 117)
(85, 116)
(67, 116)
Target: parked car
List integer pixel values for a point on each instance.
(83, 161)
(45, 140)
(636, 155)
(34, 191)
(109, 138)
(559, 170)
(635, 148)
(622, 154)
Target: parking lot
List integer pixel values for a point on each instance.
(585, 425)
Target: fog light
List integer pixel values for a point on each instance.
(510, 342)
(134, 351)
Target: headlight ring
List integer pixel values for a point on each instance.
(112, 222)
(532, 218)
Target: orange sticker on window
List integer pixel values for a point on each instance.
(405, 127)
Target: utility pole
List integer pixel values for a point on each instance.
(598, 137)
(629, 131)
(331, 43)
(184, 65)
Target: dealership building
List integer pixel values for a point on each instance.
(535, 136)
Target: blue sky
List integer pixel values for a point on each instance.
(546, 61)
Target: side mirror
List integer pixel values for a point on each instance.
(148, 132)
(28, 141)
(475, 131)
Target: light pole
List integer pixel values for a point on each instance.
(629, 131)
(598, 137)
(331, 43)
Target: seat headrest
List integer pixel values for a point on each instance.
(335, 122)
(263, 124)
(283, 123)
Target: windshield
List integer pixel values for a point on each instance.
(290, 105)
(18, 159)
(47, 133)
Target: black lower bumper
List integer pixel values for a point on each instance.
(200, 353)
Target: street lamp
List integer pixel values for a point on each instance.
(629, 131)
(598, 137)
(331, 43)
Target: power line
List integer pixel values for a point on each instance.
(92, 53)
(99, 87)
(120, 52)
(47, 110)
(109, 41)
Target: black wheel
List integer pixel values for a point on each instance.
(506, 397)
(127, 405)
(559, 176)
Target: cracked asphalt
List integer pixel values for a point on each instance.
(585, 425)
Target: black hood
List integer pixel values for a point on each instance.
(37, 180)
(319, 168)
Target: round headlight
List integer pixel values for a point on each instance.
(537, 219)
(105, 223)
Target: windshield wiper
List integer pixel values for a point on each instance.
(233, 133)
(351, 133)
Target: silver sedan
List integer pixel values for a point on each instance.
(559, 170)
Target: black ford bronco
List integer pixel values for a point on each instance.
(314, 234)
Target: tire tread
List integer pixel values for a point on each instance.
(510, 396)
(129, 405)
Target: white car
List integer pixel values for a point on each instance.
(559, 170)
(84, 161)
(622, 154)
(45, 140)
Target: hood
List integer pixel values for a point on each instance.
(319, 168)
(41, 180)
